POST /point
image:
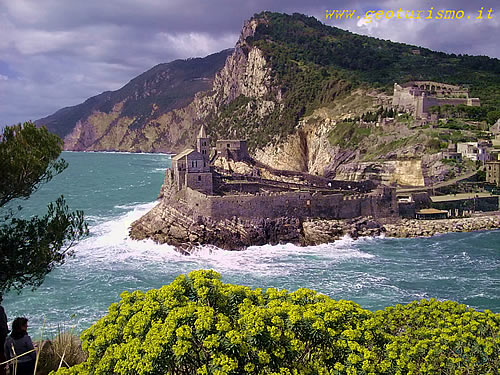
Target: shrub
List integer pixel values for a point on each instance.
(63, 351)
(199, 325)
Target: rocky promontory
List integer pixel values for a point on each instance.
(169, 222)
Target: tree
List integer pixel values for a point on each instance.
(493, 116)
(31, 248)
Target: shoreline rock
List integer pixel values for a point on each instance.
(171, 223)
(410, 228)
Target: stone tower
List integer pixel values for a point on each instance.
(203, 143)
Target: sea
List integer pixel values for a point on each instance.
(114, 189)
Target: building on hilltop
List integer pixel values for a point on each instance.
(418, 97)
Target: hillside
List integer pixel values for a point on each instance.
(286, 85)
(115, 120)
(311, 64)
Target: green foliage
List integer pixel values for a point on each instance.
(455, 136)
(381, 112)
(304, 89)
(434, 145)
(30, 248)
(28, 158)
(348, 134)
(199, 325)
(492, 116)
(433, 337)
(312, 64)
(360, 58)
(455, 124)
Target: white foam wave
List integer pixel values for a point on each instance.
(109, 243)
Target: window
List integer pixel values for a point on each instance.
(228, 145)
(199, 178)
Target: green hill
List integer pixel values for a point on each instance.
(313, 63)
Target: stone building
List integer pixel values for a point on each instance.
(451, 155)
(418, 96)
(493, 172)
(236, 150)
(191, 168)
(208, 191)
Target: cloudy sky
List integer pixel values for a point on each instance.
(57, 53)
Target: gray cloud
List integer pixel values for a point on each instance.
(57, 53)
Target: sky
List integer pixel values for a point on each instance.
(58, 53)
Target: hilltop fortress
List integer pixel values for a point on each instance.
(418, 96)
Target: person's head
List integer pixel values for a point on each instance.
(19, 328)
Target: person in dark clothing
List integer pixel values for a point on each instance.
(4, 331)
(18, 343)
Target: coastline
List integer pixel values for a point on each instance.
(170, 223)
(410, 228)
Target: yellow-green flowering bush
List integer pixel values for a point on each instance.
(433, 337)
(199, 325)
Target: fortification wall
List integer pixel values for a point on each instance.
(199, 203)
(291, 204)
(403, 99)
(474, 102)
(429, 102)
(200, 181)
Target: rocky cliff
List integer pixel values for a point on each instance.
(154, 112)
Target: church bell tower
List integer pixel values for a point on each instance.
(203, 143)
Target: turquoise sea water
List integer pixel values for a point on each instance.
(115, 189)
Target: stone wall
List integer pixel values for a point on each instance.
(381, 203)
(236, 150)
(416, 98)
(403, 98)
(200, 181)
(430, 101)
